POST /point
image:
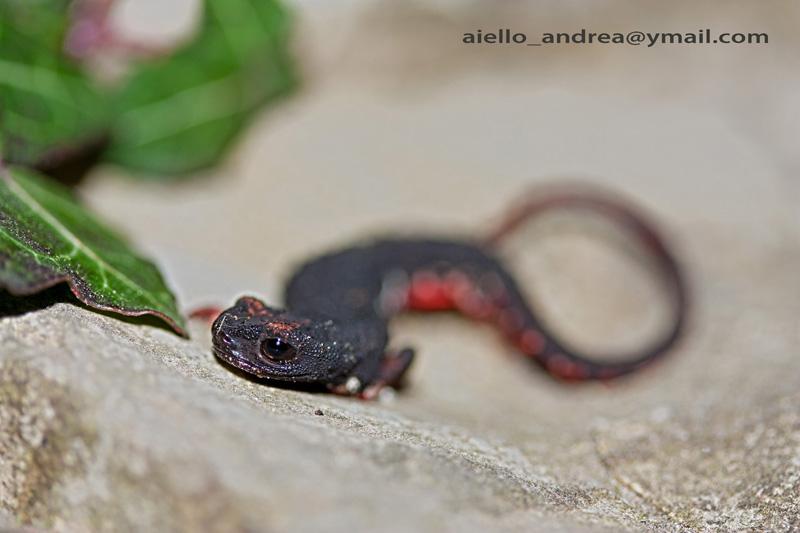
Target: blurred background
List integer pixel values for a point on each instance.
(399, 126)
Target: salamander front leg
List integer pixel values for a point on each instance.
(393, 368)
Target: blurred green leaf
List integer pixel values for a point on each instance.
(179, 114)
(46, 237)
(48, 108)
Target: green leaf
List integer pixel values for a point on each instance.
(180, 114)
(49, 109)
(46, 237)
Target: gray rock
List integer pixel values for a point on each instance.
(114, 426)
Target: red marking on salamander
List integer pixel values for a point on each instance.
(429, 292)
(531, 342)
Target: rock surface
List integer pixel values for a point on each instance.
(116, 425)
(109, 426)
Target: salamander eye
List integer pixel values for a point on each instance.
(278, 349)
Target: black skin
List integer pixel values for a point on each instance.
(335, 331)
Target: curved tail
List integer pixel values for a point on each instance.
(544, 348)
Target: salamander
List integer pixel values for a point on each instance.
(333, 329)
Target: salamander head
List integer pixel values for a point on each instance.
(273, 343)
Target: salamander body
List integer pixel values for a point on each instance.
(334, 327)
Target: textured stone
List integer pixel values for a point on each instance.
(113, 426)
